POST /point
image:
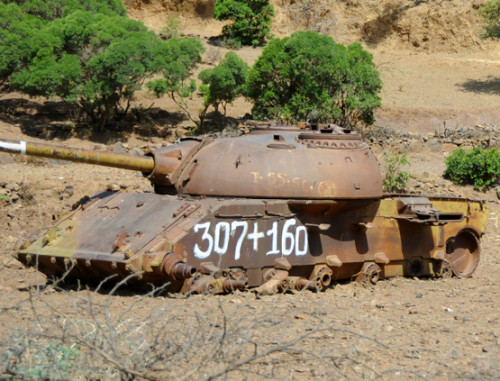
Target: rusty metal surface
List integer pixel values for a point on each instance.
(284, 164)
(256, 227)
(202, 244)
(109, 159)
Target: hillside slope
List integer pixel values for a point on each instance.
(435, 67)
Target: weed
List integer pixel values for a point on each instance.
(394, 178)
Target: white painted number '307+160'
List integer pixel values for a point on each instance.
(293, 238)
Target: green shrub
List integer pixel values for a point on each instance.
(490, 12)
(93, 56)
(225, 82)
(54, 9)
(172, 29)
(251, 19)
(177, 59)
(394, 178)
(309, 74)
(479, 167)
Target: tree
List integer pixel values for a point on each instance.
(251, 19)
(177, 58)
(224, 83)
(53, 9)
(96, 60)
(309, 74)
(490, 12)
(18, 39)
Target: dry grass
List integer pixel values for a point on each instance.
(108, 333)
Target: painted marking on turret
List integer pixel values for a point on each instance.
(279, 180)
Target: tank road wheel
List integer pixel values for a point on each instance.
(444, 269)
(369, 273)
(462, 253)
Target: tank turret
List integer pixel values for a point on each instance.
(273, 162)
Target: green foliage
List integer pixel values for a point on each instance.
(490, 12)
(225, 82)
(96, 60)
(33, 359)
(394, 178)
(479, 167)
(251, 19)
(172, 29)
(53, 9)
(309, 74)
(19, 39)
(177, 58)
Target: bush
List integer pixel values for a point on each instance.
(251, 19)
(309, 74)
(225, 82)
(172, 29)
(95, 60)
(394, 178)
(490, 12)
(177, 58)
(54, 9)
(478, 167)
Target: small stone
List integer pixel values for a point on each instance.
(448, 147)
(69, 190)
(454, 354)
(118, 148)
(419, 295)
(301, 316)
(15, 265)
(113, 187)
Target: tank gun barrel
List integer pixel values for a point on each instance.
(143, 164)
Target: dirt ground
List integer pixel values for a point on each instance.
(436, 75)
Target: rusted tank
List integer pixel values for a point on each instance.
(280, 208)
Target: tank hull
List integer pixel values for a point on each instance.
(219, 244)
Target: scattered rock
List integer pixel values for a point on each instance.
(448, 147)
(14, 264)
(301, 316)
(69, 189)
(113, 187)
